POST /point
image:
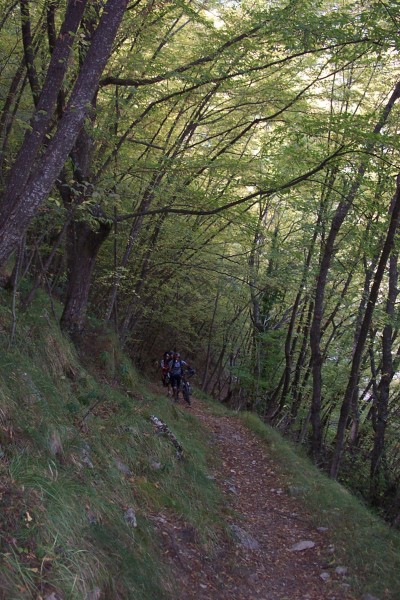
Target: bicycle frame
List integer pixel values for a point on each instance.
(185, 387)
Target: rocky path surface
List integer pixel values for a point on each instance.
(267, 523)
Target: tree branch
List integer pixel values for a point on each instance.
(139, 82)
(257, 194)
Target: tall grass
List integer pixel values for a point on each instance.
(76, 453)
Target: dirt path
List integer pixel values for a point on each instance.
(266, 522)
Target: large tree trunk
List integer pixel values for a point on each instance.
(83, 241)
(17, 214)
(83, 247)
(45, 102)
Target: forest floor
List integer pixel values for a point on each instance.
(259, 560)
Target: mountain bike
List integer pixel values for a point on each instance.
(185, 387)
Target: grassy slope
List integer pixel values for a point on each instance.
(62, 525)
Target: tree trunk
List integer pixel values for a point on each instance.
(384, 384)
(295, 391)
(42, 273)
(83, 247)
(29, 54)
(329, 250)
(360, 314)
(15, 216)
(45, 103)
(209, 344)
(289, 350)
(315, 333)
(358, 352)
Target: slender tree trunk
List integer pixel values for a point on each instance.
(327, 255)
(147, 200)
(29, 55)
(209, 344)
(217, 372)
(288, 342)
(384, 384)
(15, 282)
(360, 314)
(46, 265)
(7, 13)
(315, 333)
(355, 367)
(6, 119)
(296, 392)
(133, 235)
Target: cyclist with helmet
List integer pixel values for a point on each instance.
(164, 364)
(176, 366)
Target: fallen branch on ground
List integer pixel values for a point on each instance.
(163, 428)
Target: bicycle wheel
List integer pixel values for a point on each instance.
(186, 392)
(175, 393)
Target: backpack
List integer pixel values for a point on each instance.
(176, 367)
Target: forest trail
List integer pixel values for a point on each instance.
(266, 522)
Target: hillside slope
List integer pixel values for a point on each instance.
(96, 503)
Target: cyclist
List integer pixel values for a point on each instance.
(164, 364)
(176, 367)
